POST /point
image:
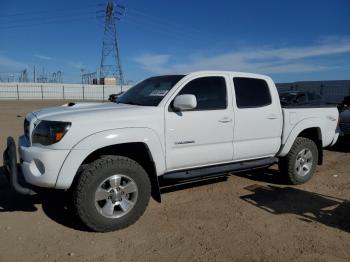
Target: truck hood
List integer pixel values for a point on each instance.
(70, 110)
(101, 116)
(90, 118)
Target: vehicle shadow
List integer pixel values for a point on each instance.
(55, 204)
(308, 206)
(267, 175)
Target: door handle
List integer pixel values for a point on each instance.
(272, 116)
(225, 120)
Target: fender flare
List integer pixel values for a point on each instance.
(102, 139)
(297, 130)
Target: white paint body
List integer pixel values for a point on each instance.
(217, 136)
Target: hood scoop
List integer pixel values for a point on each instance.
(81, 104)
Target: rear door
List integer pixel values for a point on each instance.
(258, 118)
(204, 135)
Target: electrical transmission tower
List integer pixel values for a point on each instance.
(23, 77)
(110, 60)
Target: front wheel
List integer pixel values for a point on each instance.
(111, 193)
(300, 163)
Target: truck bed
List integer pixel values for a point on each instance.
(325, 118)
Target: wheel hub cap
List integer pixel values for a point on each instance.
(116, 196)
(304, 162)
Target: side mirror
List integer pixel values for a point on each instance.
(185, 102)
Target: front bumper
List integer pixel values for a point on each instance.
(12, 171)
(39, 166)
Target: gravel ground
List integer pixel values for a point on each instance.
(248, 217)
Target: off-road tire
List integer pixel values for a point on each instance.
(287, 163)
(89, 180)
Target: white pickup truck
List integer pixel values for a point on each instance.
(165, 130)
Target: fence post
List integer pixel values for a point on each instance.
(63, 92)
(103, 92)
(42, 93)
(83, 93)
(17, 93)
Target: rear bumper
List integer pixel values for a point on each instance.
(336, 137)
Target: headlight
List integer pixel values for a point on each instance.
(49, 132)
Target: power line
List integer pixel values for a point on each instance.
(158, 30)
(50, 22)
(44, 19)
(51, 11)
(159, 27)
(162, 21)
(156, 24)
(135, 17)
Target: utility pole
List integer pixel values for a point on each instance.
(110, 59)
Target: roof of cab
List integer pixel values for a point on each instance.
(208, 72)
(229, 72)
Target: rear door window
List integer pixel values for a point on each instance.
(251, 92)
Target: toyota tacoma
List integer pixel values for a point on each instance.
(165, 130)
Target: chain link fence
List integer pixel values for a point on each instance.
(58, 91)
(331, 91)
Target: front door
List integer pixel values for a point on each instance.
(204, 135)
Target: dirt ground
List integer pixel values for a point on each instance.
(248, 217)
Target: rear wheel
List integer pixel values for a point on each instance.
(300, 163)
(111, 193)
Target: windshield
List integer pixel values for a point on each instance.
(149, 92)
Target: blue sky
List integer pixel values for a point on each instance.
(288, 40)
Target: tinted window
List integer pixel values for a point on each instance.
(251, 92)
(301, 99)
(313, 96)
(209, 91)
(149, 92)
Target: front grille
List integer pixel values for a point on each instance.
(26, 128)
(344, 127)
